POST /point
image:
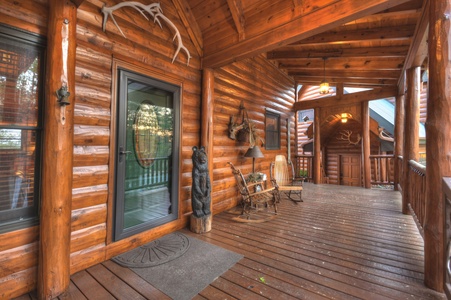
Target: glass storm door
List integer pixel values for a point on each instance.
(147, 154)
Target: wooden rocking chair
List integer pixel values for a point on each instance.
(283, 174)
(257, 202)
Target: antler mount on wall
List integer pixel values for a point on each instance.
(155, 11)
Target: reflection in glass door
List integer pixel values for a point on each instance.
(147, 154)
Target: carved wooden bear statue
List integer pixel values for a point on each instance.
(200, 192)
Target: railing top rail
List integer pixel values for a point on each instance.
(417, 166)
(305, 155)
(382, 156)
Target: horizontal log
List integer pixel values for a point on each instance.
(91, 135)
(89, 176)
(88, 237)
(19, 283)
(18, 259)
(89, 196)
(88, 217)
(18, 238)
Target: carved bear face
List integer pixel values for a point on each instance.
(199, 156)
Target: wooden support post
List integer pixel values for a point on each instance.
(317, 147)
(399, 133)
(366, 149)
(411, 131)
(55, 229)
(206, 140)
(438, 141)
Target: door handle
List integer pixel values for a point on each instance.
(123, 152)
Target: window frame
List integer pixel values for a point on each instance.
(272, 136)
(19, 218)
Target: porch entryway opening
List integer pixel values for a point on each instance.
(148, 113)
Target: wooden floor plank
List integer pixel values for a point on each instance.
(90, 288)
(118, 288)
(340, 243)
(73, 293)
(135, 281)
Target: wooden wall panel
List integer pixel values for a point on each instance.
(258, 85)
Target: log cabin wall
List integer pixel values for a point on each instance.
(258, 85)
(255, 82)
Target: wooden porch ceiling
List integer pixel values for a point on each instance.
(366, 43)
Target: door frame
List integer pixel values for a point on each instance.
(148, 71)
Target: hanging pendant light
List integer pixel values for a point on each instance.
(324, 85)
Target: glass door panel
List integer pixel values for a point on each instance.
(146, 193)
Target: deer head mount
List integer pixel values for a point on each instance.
(345, 135)
(155, 11)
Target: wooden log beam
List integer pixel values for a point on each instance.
(347, 99)
(191, 25)
(399, 133)
(206, 140)
(411, 131)
(438, 141)
(55, 230)
(366, 147)
(419, 41)
(317, 147)
(236, 9)
(323, 19)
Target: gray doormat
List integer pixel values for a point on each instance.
(166, 248)
(184, 277)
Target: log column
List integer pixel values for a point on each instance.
(438, 140)
(203, 224)
(55, 229)
(317, 147)
(411, 131)
(399, 134)
(366, 145)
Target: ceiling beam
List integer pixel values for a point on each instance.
(293, 52)
(418, 48)
(347, 81)
(379, 74)
(190, 23)
(236, 9)
(371, 34)
(322, 19)
(347, 99)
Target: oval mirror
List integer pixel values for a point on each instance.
(146, 134)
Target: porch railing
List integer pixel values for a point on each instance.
(303, 166)
(417, 191)
(382, 169)
(400, 172)
(155, 175)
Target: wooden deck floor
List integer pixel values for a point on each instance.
(340, 243)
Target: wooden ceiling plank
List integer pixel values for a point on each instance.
(322, 20)
(236, 9)
(380, 74)
(190, 23)
(348, 99)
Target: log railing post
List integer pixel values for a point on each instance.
(317, 147)
(438, 141)
(55, 229)
(411, 131)
(366, 150)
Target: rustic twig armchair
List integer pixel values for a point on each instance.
(258, 204)
(283, 174)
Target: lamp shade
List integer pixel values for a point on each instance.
(254, 152)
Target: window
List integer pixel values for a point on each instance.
(21, 89)
(272, 127)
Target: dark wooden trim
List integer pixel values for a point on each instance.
(56, 205)
(77, 3)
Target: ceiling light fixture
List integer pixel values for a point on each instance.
(324, 85)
